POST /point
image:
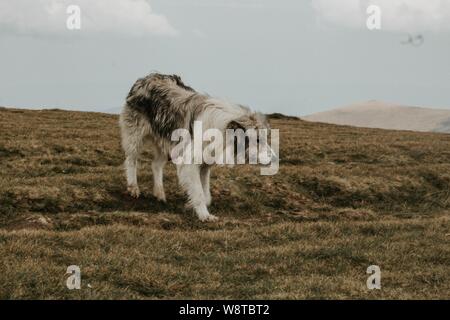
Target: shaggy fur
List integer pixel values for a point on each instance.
(156, 106)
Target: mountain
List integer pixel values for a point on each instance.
(375, 114)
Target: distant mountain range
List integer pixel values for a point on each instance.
(375, 114)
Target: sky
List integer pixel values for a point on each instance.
(297, 57)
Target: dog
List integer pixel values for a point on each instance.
(155, 107)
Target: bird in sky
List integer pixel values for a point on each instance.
(414, 40)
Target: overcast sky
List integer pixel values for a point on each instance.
(292, 56)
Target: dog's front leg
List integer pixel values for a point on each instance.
(189, 178)
(205, 172)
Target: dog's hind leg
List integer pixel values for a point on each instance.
(157, 167)
(205, 172)
(132, 139)
(189, 178)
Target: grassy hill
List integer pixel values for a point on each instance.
(345, 198)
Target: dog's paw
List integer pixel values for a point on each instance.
(208, 218)
(160, 195)
(134, 191)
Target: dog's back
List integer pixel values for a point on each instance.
(165, 102)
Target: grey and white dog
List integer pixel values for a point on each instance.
(156, 106)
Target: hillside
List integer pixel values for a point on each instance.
(344, 198)
(375, 114)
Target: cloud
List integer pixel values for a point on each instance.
(199, 33)
(397, 15)
(235, 4)
(48, 17)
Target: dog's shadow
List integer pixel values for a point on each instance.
(123, 201)
(176, 204)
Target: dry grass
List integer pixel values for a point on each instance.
(345, 198)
